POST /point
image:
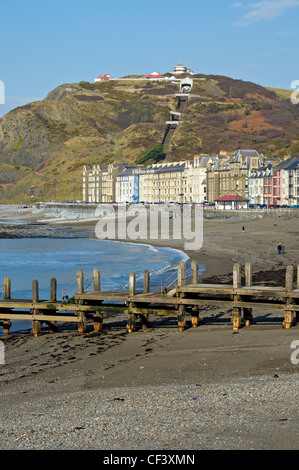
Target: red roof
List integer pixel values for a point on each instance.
(104, 76)
(233, 197)
(154, 75)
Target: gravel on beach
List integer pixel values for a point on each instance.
(249, 413)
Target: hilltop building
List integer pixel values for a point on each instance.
(180, 68)
(177, 70)
(100, 78)
(154, 76)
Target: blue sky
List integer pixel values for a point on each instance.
(45, 44)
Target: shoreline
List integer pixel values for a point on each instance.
(223, 240)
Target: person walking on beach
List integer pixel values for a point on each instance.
(279, 248)
(243, 229)
(282, 248)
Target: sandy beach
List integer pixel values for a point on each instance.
(206, 388)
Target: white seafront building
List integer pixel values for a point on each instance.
(176, 182)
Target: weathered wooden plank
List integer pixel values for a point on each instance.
(261, 291)
(32, 316)
(252, 304)
(151, 311)
(12, 304)
(206, 289)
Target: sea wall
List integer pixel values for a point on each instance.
(251, 214)
(84, 211)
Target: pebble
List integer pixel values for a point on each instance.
(247, 413)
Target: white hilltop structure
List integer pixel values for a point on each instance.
(186, 84)
(177, 70)
(180, 68)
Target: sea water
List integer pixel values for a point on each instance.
(28, 259)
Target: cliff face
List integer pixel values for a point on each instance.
(114, 121)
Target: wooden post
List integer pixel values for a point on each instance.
(236, 314)
(248, 317)
(80, 282)
(146, 290)
(248, 275)
(53, 290)
(146, 282)
(36, 327)
(131, 319)
(182, 318)
(236, 318)
(247, 312)
(96, 280)
(194, 317)
(98, 321)
(7, 296)
(182, 273)
(288, 314)
(82, 323)
(194, 269)
(144, 321)
(132, 284)
(35, 296)
(6, 326)
(7, 288)
(53, 298)
(237, 276)
(36, 324)
(289, 278)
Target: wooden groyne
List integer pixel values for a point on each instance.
(184, 297)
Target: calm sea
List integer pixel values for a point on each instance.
(27, 259)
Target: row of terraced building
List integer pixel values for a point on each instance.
(245, 173)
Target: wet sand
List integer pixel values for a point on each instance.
(58, 369)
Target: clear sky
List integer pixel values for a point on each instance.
(47, 43)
